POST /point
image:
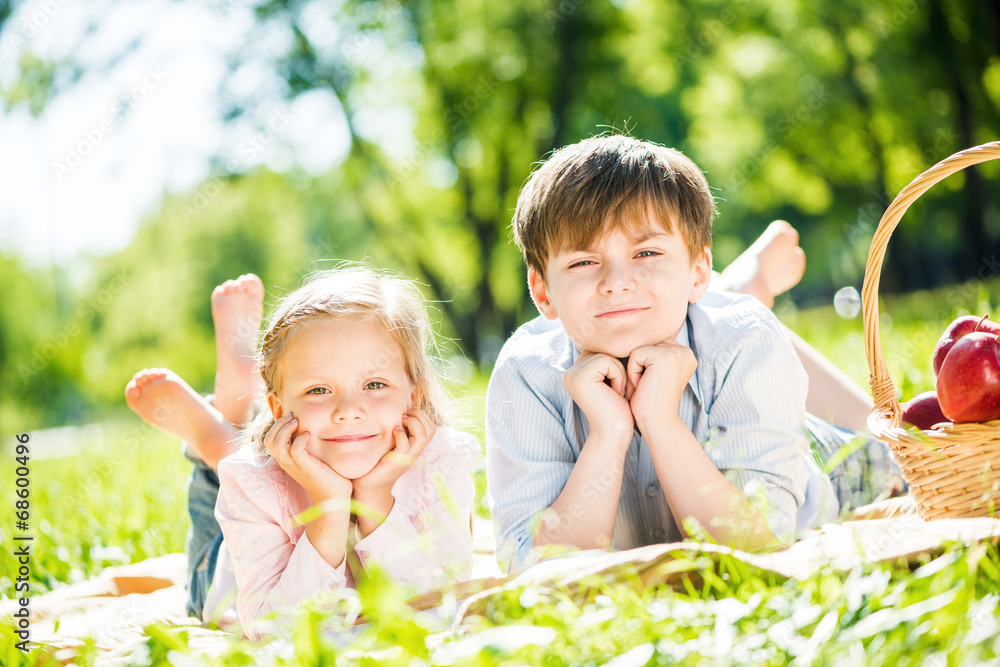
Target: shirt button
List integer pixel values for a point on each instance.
(652, 490)
(659, 533)
(363, 553)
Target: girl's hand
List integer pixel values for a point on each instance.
(410, 438)
(290, 451)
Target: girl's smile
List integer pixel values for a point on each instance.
(349, 438)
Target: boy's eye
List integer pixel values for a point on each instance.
(375, 384)
(582, 262)
(648, 253)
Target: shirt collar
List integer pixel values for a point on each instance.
(683, 338)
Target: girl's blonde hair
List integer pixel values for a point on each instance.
(353, 293)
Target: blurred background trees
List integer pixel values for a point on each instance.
(813, 112)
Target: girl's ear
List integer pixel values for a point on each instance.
(540, 294)
(276, 410)
(701, 275)
(416, 396)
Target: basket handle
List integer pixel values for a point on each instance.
(883, 390)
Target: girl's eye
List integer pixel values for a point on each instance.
(375, 384)
(317, 390)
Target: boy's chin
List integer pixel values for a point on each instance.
(622, 345)
(622, 352)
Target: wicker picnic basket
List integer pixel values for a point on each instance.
(953, 470)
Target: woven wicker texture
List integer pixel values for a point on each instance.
(953, 470)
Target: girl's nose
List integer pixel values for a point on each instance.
(346, 410)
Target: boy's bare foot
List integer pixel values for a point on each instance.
(164, 400)
(772, 265)
(237, 309)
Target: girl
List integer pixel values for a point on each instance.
(355, 413)
(355, 419)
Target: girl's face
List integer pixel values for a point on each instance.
(346, 383)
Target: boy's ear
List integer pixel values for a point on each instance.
(540, 294)
(275, 405)
(701, 268)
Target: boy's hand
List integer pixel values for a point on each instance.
(411, 438)
(291, 452)
(657, 375)
(596, 382)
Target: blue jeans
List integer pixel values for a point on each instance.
(204, 538)
(860, 466)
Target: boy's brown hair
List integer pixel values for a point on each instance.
(610, 179)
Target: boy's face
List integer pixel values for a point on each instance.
(627, 290)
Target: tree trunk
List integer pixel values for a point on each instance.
(972, 233)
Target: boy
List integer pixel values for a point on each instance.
(639, 398)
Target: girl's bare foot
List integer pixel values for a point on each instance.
(164, 400)
(237, 310)
(772, 265)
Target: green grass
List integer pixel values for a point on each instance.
(119, 501)
(123, 499)
(945, 612)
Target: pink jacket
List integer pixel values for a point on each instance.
(267, 558)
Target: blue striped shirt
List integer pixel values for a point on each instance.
(745, 404)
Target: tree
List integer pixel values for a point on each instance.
(814, 113)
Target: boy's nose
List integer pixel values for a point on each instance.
(617, 278)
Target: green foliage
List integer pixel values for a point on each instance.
(817, 114)
(882, 613)
(34, 87)
(729, 613)
(71, 350)
(121, 500)
(11, 654)
(29, 354)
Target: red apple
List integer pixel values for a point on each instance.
(962, 326)
(968, 386)
(923, 411)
